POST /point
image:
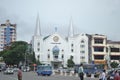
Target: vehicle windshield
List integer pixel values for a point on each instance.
(92, 66)
(47, 67)
(99, 66)
(44, 67)
(88, 67)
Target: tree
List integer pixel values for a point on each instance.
(14, 53)
(70, 62)
(114, 64)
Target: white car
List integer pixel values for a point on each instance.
(9, 71)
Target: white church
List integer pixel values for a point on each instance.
(56, 50)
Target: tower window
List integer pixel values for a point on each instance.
(38, 49)
(72, 45)
(48, 49)
(48, 56)
(62, 50)
(82, 41)
(62, 56)
(72, 50)
(38, 44)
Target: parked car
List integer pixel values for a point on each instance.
(15, 69)
(9, 71)
(25, 68)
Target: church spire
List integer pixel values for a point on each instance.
(71, 31)
(37, 30)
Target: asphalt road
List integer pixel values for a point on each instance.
(34, 76)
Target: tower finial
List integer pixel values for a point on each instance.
(71, 31)
(37, 31)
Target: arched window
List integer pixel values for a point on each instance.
(55, 50)
(82, 41)
(38, 44)
(48, 56)
(72, 45)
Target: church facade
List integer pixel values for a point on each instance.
(56, 50)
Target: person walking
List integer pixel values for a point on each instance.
(19, 74)
(103, 75)
(81, 72)
(117, 76)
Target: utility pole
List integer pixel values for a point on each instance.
(108, 57)
(25, 59)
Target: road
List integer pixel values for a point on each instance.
(34, 76)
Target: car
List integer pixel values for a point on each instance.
(15, 69)
(25, 68)
(9, 71)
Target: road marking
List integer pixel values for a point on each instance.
(13, 78)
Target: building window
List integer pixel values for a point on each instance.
(82, 41)
(72, 50)
(82, 46)
(98, 56)
(98, 49)
(56, 56)
(38, 49)
(115, 49)
(38, 44)
(82, 52)
(48, 56)
(48, 49)
(82, 57)
(115, 57)
(62, 56)
(72, 45)
(98, 41)
(62, 50)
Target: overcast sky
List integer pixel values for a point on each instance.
(89, 16)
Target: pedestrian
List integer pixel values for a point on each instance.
(19, 74)
(81, 72)
(103, 75)
(117, 76)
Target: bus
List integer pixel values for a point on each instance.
(93, 68)
(90, 68)
(44, 70)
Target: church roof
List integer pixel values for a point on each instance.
(46, 37)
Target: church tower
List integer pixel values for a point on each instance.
(37, 40)
(71, 40)
(37, 30)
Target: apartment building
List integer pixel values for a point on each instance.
(113, 50)
(7, 34)
(98, 48)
